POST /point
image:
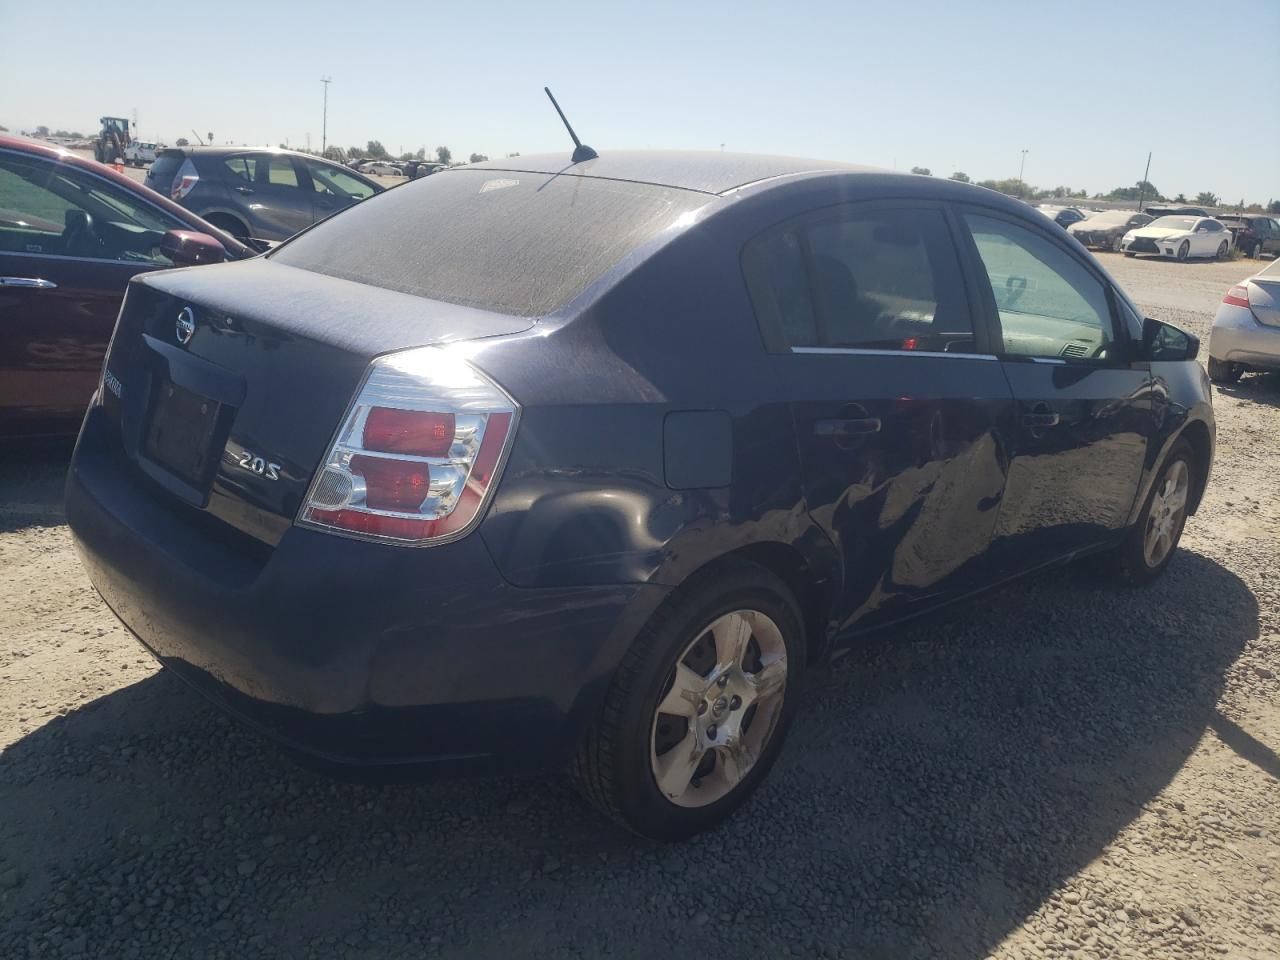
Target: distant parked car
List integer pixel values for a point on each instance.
(258, 196)
(139, 153)
(1105, 230)
(1253, 234)
(382, 168)
(413, 169)
(1175, 210)
(1246, 330)
(1062, 216)
(1179, 237)
(72, 234)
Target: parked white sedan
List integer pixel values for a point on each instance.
(1179, 237)
(381, 167)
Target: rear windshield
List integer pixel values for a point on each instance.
(511, 242)
(166, 165)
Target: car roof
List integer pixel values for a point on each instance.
(708, 171)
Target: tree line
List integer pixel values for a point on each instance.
(1143, 189)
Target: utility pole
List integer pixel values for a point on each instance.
(1142, 187)
(1023, 165)
(324, 123)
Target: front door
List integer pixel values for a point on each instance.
(1084, 413)
(897, 406)
(334, 188)
(69, 243)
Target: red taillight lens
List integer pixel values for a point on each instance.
(420, 471)
(911, 343)
(415, 432)
(396, 485)
(1237, 296)
(183, 187)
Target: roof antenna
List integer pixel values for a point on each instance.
(581, 151)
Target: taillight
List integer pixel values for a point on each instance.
(418, 453)
(1237, 296)
(184, 181)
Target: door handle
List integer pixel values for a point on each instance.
(860, 427)
(243, 189)
(31, 283)
(1040, 418)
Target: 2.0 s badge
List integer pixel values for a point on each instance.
(256, 464)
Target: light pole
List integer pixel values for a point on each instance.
(324, 123)
(1023, 165)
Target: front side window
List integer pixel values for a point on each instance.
(1049, 304)
(885, 279)
(241, 168)
(49, 209)
(336, 182)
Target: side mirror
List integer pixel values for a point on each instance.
(189, 248)
(1164, 341)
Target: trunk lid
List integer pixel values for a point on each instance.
(227, 382)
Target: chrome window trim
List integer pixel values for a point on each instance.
(142, 264)
(868, 352)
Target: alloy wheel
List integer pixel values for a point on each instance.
(1168, 508)
(1184, 250)
(719, 708)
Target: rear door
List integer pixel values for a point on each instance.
(898, 406)
(69, 242)
(273, 194)
(1084, 414)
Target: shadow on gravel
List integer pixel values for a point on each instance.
(32, 474)
(1258, 388)
(938, 785)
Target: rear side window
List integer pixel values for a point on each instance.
(512, 242)
(884, 279)
(239, 168)
(166, 167)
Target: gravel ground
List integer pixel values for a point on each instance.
(1059, 769)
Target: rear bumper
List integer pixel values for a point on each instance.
(1237, 337)
(352, 652)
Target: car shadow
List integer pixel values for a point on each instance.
(32, 473)
(1261, 388)
(939, 784)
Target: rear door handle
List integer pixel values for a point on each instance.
(243, 189)
(1040, 419)
(31, 283)
(860, 427)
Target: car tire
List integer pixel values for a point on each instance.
(1222, 250)
(729, 649)
(230, 225)
(1115, 244)
(1184, 251)
(1150, 544)
(1224, 371)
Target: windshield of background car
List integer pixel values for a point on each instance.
(507, 241)
(1174, 223)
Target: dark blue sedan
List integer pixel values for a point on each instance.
(540, 464)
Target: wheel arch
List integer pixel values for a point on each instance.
(1196, 434)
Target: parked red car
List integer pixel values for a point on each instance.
(72, 234)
